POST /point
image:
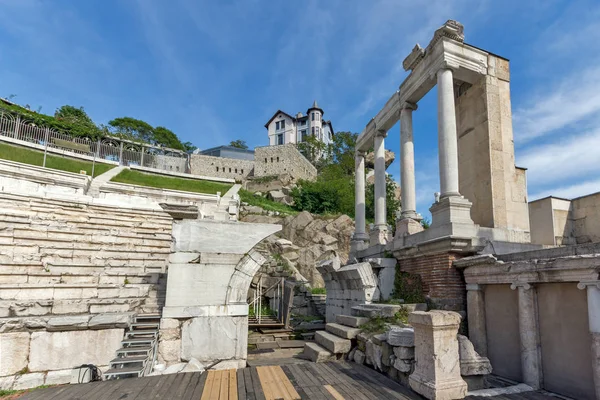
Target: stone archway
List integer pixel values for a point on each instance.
(210, 271)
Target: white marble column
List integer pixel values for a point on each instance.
(380, 188)
(360, 237)
(447, 137)
(593, 303)
(407, 163)
(476, 318)
(531, 356)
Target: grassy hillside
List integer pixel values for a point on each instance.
(167, 182)
(36, 157)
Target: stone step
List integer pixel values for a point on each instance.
(315, 353)
(124, 371)
(333, 343)
(129, 360)
(134, 350)
(350, 320)
(342, 331)
(138, 341)
(376, 310)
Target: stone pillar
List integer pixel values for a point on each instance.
(447, 138)
(360, 237)
(593, 302)
(529, 332)
(437, 368)
(407, 162)
(380, 234)
(476, 318)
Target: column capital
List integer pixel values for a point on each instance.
(585, 284)
(524, 285)
(408, 106)
(360, 153)
(474, 287)
(381, 133)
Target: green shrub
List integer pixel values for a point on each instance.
(408, 287)
(166, 182)
(318, 290)
(265, 204)
(380, 324)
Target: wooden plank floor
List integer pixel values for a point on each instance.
(331, 381)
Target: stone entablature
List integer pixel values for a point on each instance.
(547, 303)
(284, 159)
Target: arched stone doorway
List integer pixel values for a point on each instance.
(210, 271)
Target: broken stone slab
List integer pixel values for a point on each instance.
(342, 331)
(58, 377)
(379, 338)
(373, 355)
(398, 336)
(180, 211)
(333, 343)
(194, 366)
(359, 357)
(404, 353)
(109, 320)
(471, 363)
(14, 348)
(376, 310)
(28, 381)
(175, 368)
(387, 354)
(71, 322)
(403, 365)
(316, 353)
(351, 354)
(351, 321)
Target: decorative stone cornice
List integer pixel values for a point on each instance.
(523, 285)
(452, 29)
(585, 284)
(381, 133)
(415, 56)
(408, 106)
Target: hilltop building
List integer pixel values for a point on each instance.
(284, 128)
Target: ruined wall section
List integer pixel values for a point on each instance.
(71, 276)
(221, 167)
(442, 282)
(284, 159)
(586, 218)
(484, 123)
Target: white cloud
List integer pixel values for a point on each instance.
(571, 157)
(571, 101)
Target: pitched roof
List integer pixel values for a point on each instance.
(275, 115)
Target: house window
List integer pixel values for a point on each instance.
(303, 135)
(313, 131)
(283, 124)
(303, 123)
(312, 116)
(280, 125)
(280, 139)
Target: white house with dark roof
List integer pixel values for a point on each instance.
(284, 128)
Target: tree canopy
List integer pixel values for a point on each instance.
(240, 144)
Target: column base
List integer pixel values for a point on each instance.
(379, 235)
(448, 390)
(407, 226)
(358, 242)
(452, 217)
(412, 215)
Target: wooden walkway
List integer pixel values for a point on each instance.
(332, 380)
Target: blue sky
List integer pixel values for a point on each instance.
(215, 71)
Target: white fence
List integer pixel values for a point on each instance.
(108, 148)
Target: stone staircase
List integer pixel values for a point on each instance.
(336, 340)
(139, 348)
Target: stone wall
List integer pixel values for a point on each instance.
(72, 274)
(442, 282)
(276, 160)
(586, 218)
(221, 167)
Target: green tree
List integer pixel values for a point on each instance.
(314, 150)
(391, 203)
(341, 151)
(165, 137)
(188, 146)
(240, 144)
(132, 128)
(73, 115)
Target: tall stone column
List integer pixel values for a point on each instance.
(360, 237)
(437, 368)
(407, 163)
(447, 137)
(476, 318)
(593, 303)
(529, 332)
(380, 229)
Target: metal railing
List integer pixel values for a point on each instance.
(122, 151)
